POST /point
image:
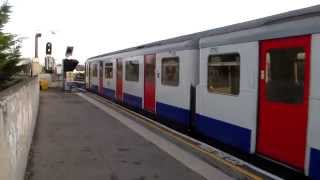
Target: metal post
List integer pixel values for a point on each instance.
(38, 35)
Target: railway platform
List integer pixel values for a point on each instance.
(82, 136)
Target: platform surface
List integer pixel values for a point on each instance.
(76, 140)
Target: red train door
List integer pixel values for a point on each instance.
(101, 77)
(149, 82)
(284, 92)
(119, 89)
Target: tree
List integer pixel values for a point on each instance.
(9, 48)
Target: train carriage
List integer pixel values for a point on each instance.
(252, 86)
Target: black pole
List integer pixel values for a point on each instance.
(38, 35)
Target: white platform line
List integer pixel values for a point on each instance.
(189, 160)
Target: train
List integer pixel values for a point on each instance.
(253, 87)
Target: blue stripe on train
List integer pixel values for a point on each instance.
(132, 100)
(173, 113)
(94, 88)
(314, 168)
(110, 93)
(226, 133)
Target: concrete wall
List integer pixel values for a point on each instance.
(18, 113)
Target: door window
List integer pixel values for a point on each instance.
(150, 74)
(119, 70)
(285, 75)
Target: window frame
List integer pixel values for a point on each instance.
(162, 71)
(219, 92)
(107, 65)
(138, 73)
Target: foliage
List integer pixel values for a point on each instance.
(9, 48)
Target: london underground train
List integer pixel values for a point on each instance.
(253, 87)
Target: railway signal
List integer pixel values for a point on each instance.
(48, 48)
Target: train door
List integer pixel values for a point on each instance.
(283, 103)
(101, 77)
(149, 82)
(119, 84)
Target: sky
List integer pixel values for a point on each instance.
(99, 26)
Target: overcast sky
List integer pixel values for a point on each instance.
(99, 26)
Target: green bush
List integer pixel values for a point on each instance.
(9, 49)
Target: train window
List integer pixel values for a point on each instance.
(224, 74)
(170, 71)
(132, 70)
(95, 70)
(285, 75)
(108, 70)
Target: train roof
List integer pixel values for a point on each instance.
(258, 23)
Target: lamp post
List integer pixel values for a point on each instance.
(38, 35)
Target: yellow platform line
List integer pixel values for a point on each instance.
(181, 139)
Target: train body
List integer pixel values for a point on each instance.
(253, 86)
